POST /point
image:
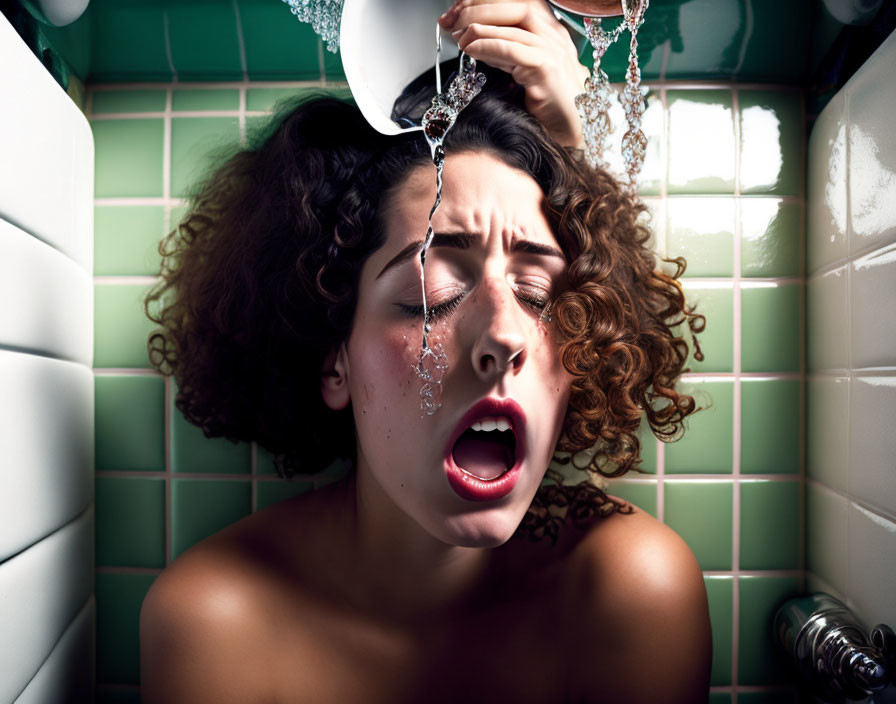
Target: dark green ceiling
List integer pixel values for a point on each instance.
(219, 40)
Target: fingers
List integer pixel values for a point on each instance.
(530, 16)
(501, 49)
(525, 16)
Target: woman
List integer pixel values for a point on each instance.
(293, 317)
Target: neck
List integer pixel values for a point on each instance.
(406, 574)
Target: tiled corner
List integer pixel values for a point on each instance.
(191, 451)
(701, 141)
(769, 525)
(130, 522)
(272, 492)
(119, 101)
(770, 426)
(716, 303)
(121, 326)
(126, 240)
(278, 46)
(702, 231)
(130, 423)
(771, 238)
(201, 507)
(872, 332)
(641, 494)
(706, 447)
(200, 99)
(871, 557)
(758, 661)
(195, 143)
(826, 526)
(700, 512)
(826, 195)
(128, 157)
(827, 320)
(770, 324)
(827, 431)
(210, 55)
(118, 601)
(719, 592)
(771, 132)
(872, 442)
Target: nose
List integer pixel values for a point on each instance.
(500, 343)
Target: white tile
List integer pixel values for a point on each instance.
(46, 447)
(872, 446)
(826, 516)
(827, 211)
(872, 566)
(872, 303)
(871, 102)
(67, 673)
(41, 591)
(46, 182)
(827, 323)
(50, 299)
(827, 431)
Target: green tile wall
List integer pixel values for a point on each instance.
(734, 479)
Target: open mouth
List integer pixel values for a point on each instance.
(484, 459)
(486, 449)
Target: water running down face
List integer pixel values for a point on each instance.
(493, 266)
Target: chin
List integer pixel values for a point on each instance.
(489, 529)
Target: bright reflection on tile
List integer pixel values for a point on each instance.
(701, 142)
(702, 231)
(770, 237)
(835, 188)
(761, 158)
(872, 186)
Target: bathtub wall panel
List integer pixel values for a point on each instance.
(46, 384)
(37, 606)
(46, 179)
(852, 342)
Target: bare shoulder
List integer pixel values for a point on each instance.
(641, 622)
(203, 631)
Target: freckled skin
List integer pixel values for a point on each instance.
(390, 588)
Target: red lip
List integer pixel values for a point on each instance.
(473, 488)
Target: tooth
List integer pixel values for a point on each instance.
(503, 424)
(489, 424)
(477, 425)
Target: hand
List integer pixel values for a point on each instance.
(523, 38)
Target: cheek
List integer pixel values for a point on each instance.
(382, 364)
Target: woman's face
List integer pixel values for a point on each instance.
(493, 265)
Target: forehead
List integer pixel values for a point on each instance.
(479, 192)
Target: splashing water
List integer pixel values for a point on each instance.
(437, 121)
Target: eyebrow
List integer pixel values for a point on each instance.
(465, 240)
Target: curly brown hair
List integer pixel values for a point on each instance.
(259, 281)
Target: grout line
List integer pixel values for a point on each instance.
(177, 113)
(736, 412)
(125, 280)
(664, 199)
(242, 117)
(321, 62)
(168, 55)
(117, 371)
(240, 39)
(167, 473)
(848, 325)
(137, 201)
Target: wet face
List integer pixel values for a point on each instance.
(467, 473)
